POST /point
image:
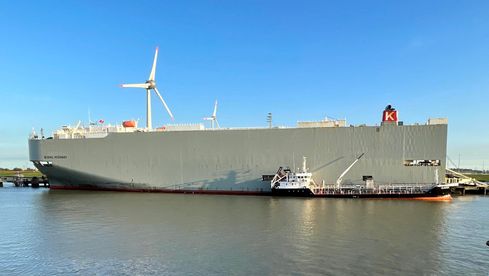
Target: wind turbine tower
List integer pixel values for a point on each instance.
(149, 85)
(213, 117)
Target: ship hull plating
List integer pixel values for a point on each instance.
(234, 160)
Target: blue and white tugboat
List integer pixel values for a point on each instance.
(300, 183)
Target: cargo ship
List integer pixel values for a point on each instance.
(193, 158)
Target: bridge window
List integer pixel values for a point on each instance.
(45, 163)
(422, 162)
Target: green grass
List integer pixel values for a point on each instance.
(4, 173)
(480, 177)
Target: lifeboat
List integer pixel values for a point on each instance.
(129, 124)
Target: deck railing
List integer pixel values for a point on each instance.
(379, 190)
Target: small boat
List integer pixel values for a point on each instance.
(301, 183)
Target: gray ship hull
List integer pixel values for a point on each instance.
(234, 160)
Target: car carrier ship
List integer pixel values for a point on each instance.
(195, 159)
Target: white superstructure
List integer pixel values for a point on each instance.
(286, 179)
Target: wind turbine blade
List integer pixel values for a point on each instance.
(135, 85)
(153, 69)
(217, 123)
(215, 110)
(164, 103)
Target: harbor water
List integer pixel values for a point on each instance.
(45, 232)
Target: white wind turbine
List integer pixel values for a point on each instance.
(213, 118)
(149, 85)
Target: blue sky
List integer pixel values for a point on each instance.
(300, 60)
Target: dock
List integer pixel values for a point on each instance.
(461, 184)
(21, 181)
(470, 189)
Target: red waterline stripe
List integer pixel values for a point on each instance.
(443, 198)
(436, 198)
(166, 191)
(215, 192)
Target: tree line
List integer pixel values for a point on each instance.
(17, 169)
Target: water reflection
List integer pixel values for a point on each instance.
(110, 232)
